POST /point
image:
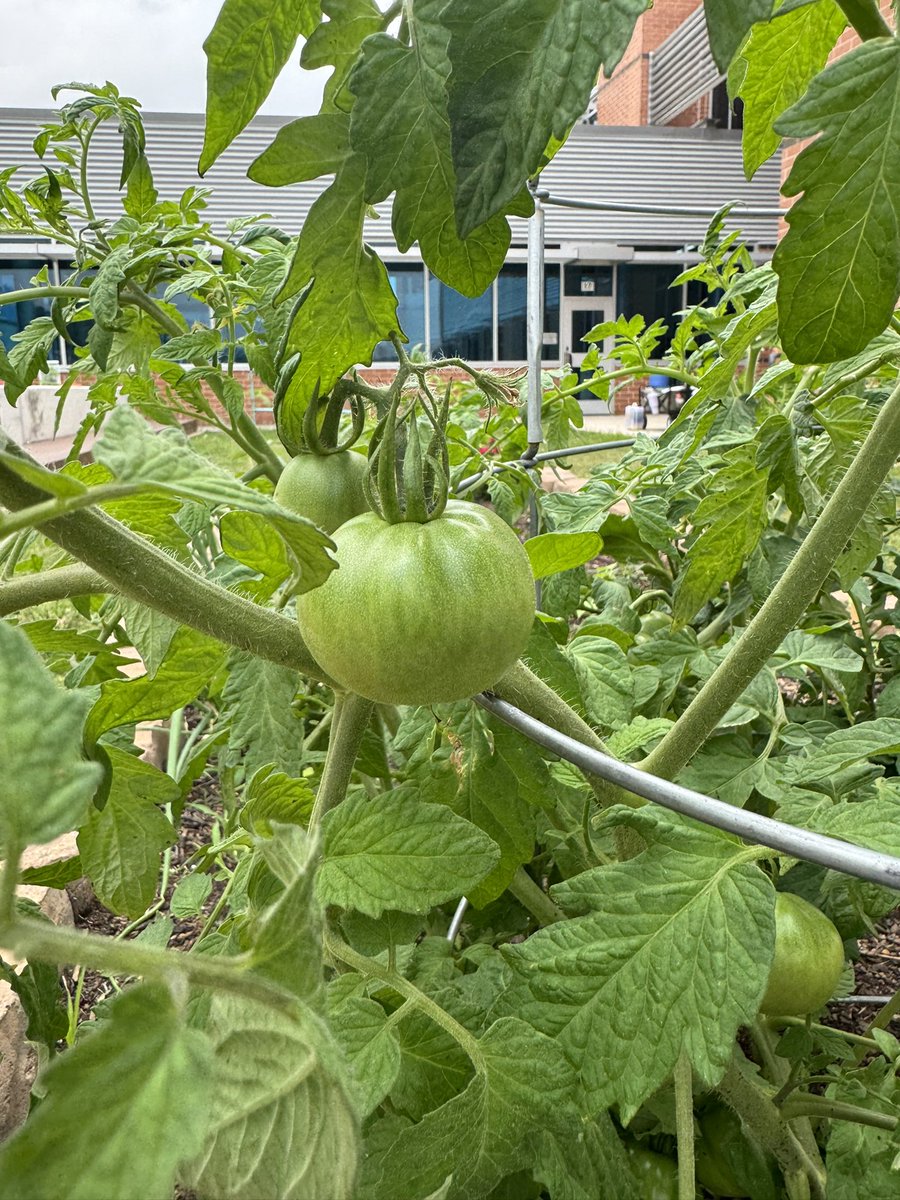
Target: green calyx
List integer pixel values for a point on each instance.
(409, 473)
(322, 422)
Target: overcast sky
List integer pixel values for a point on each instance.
(151, 49)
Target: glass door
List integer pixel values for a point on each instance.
(581, 315)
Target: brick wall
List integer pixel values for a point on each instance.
(622, 100)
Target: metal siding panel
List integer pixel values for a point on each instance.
(684, 167)
(682, 69)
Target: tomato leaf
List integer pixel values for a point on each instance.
(361, 1029)
(552, 53)
(120, 845)
(304, 149)
(263, 729)
(350, 307)
(552, 552)
(690, 890)
(606, 680)
(156, 1079)
(400, 123)
(46, 784)
(482, 1134)
(284, 1124)
(587, 1162)
(727, 24)
(336, 43)
(396, 852)
(839, 263)
(246, 50)
(773, 69)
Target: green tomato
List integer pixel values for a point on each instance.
(326, 489)
(656, 1176)
(729, 1163)
(809, 959)
(421, 613)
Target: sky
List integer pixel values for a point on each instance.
(151, 49)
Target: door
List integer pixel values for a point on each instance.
(579, 317)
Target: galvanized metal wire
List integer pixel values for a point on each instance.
(850, 859)
(528, 461)
(654, 210)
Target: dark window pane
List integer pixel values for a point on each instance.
(512, 305)
(550, 350)
(461, 327)
(15, 275)
(585, 280)
(583, 321)
(645, 290)
(408, 282)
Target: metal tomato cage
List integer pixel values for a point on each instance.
(832, 853)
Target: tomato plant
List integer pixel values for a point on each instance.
(424, 946)
(809, 959)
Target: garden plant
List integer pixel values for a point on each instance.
(629, 1003)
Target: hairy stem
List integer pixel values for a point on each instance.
(50, 291)
(530, 896)
(865, 18)
(347, 730)
(25, 591)
(143, 572)
(684, 1126)
(810, 1105)
(788, 600)
(34, 939)
(374, 970)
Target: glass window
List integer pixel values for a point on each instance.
(461, 327)
(645, 289)
(587, 279)
(512, 305)
(15, 275)
(408, 282)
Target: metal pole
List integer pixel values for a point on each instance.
(535, 323)
(829, 852)
(655, 210)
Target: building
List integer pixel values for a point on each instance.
(598, 263)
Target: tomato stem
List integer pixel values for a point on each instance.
(684, 1126)
(535, 899)
(348, 726)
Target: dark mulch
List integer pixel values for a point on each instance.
(877, 974)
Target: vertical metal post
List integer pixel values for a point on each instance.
(535, 321)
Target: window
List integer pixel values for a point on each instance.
(645, 289)
(15, 275)
(722, 114)
(586, 279)
(512, 306)
(408, 282)
(461, 327)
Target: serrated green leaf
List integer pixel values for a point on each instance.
(400, 124)
(586, 1162)
(483, 1134)
(190, 894)
(350, 307)
(189, 665)
(433, 1068)
(336, 43)
(606, 681)
(141, 195)
(839, 264)
(104, 289)
(273, 796)
(246, 50)
(155, 1074)
(615, 987)
(552, 552)
(284, 1124)
(552, 54)
(304, 149)
(732, 517)
(165, 460)
(250, 539)
(842, 749)
(862, 1160)
(263, 728)
(580, 512)
(151, 632)
(801, 649)
(46, 787)
(120, 845)
(773, 70)
(37, 986)
(287, 937)
(396, 852)
(361, 1029)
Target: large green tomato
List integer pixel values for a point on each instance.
(656, 1176)
(421, 613)
(809, 959)
(326, 489)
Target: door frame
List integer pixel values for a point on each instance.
(574, 357)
